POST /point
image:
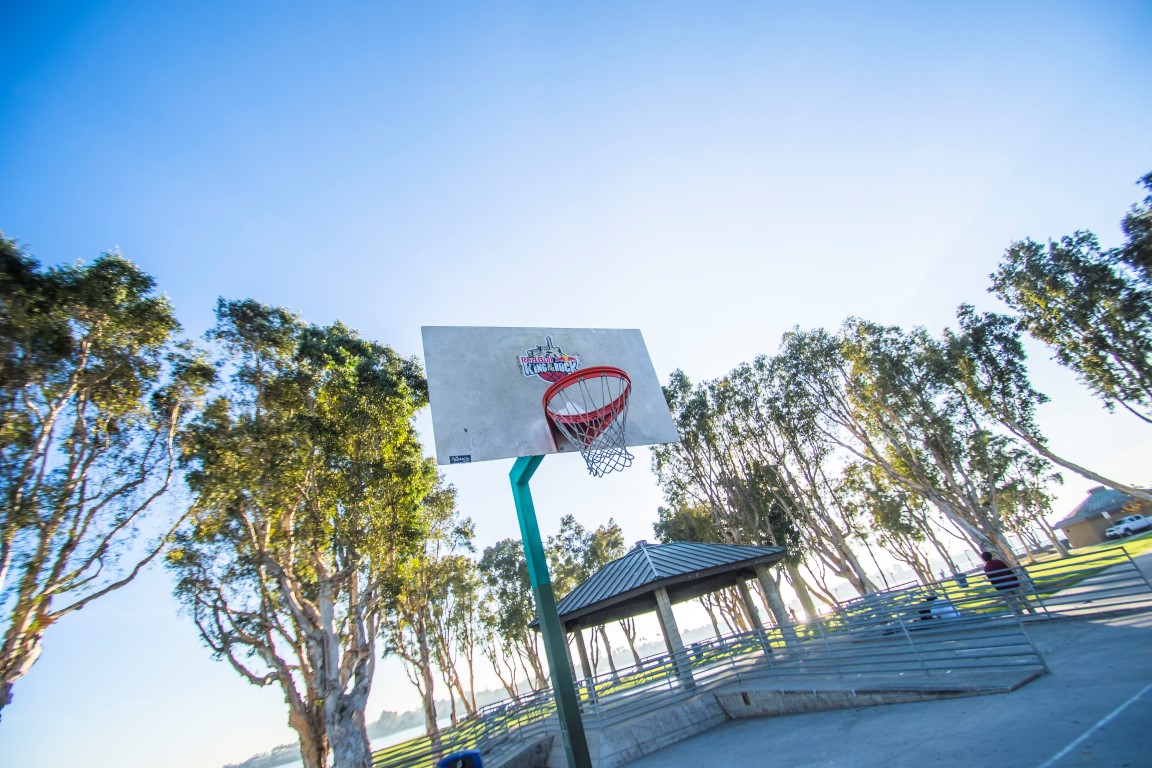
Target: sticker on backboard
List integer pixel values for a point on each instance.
(548, 361)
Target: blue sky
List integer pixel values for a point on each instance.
(712, 173)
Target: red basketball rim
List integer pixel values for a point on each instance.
(601, 413)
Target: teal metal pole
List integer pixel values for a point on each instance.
(555, 646)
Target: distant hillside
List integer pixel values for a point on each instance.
(285, 753)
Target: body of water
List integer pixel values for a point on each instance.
(387, 740)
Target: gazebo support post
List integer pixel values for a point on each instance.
(672, 639)
(776, 604)
(555, 646)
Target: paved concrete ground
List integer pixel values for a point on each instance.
(1093, 711)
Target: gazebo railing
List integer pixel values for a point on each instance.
(886, 646)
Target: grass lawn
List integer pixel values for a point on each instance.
(1133, 545)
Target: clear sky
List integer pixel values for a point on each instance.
(712, 173)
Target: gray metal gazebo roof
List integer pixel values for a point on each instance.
(626, 586)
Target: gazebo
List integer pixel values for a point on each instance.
(652, 577)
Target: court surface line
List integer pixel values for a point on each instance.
(1059, 755)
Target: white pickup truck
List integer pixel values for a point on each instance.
(1126, 526)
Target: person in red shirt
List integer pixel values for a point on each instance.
(1007, 583)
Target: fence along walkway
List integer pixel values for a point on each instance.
(880, 635)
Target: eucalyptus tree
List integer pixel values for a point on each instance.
(686, 523)
(94, 396)
(575, 554)
(463, 617)
(888, 398)
(1136, 252)
(308, 485)
(790, 460)
(889, 511)
(1025, 498)
(504, 571)
(1091, 306)
(708, 470)
(988, 356)
(424, 617)
(689, 472)
(502, 659)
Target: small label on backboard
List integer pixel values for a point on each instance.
(465, 459)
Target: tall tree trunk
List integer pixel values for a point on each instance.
(522, 660)
(875, 562)
(347, 734)
(1051, 534)
(457, 683)
(451, 676)
(24, 637)
(850, 570)
(538, 668)
(500, 664)
(941, 550)
(800, 587)
(344, 679)
(628, 626)
(428, 689)
(470, 660)
(1002, 545)
(817, 587)
(608, 652)
(308, 722)
(979, 538)
(452, 713)
(1040, 448)
(20, 651)
(711, 615)
(735, 607)
(846, 562)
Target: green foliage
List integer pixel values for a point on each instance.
(677, 523)
(990, 365)
(886, 507)
(431, 619)
(310, 496)
(505, 573)
(313, 440)
(575, 553)
(720, 465)
(94, 393)
(1091, 306)
(1136, 253)
(912, 406)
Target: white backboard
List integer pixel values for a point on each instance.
(485, 386)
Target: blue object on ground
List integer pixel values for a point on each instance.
(469, 758)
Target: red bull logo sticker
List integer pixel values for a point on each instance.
(548, 362)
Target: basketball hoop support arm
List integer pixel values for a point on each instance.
(555, 646)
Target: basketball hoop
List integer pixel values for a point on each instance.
(589, 409)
